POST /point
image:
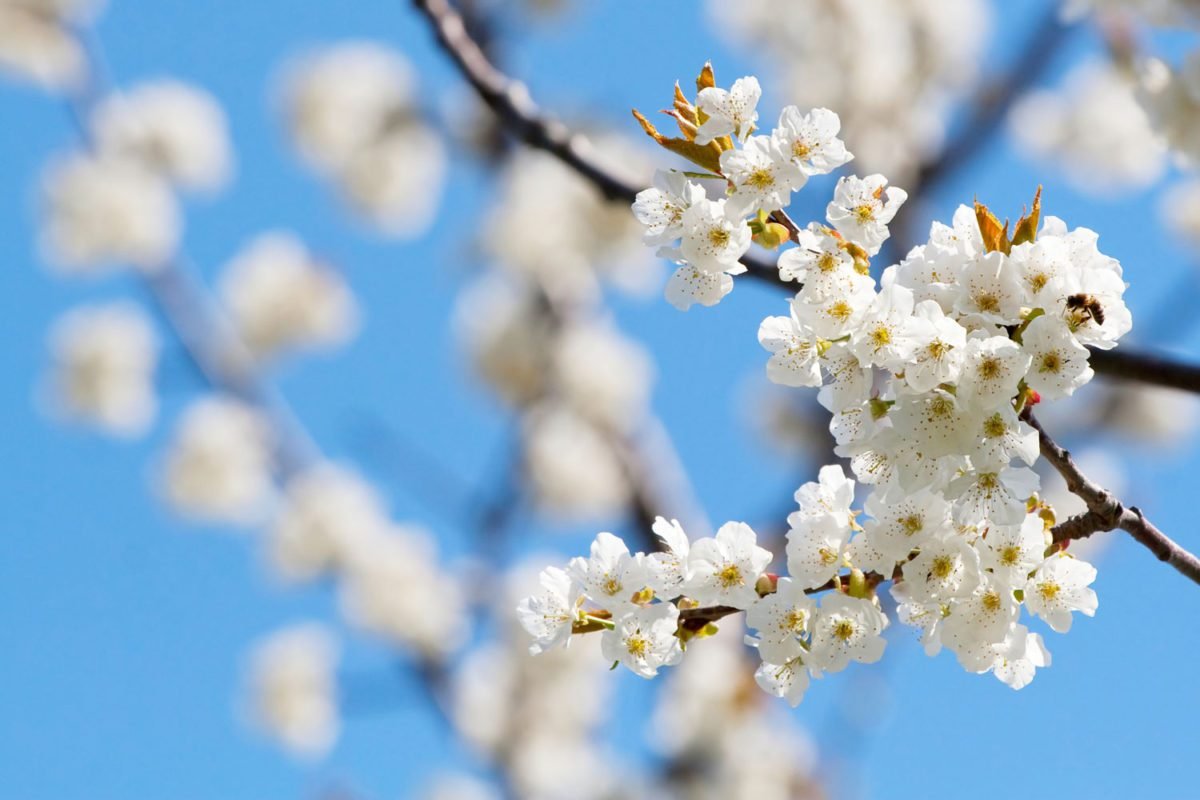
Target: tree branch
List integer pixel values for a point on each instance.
(1106, 513)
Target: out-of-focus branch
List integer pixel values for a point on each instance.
(1105, 512)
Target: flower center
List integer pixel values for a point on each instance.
(864, 213)
(987, 301)
(730, 576)
(1048, 590)
(800, 149)
(795, 620)
(990, 368)
(942, 567)
(938, 349)
(911, 524)
(761, 179)
(827, 262)
(1050, 362)
(881, 336)
(991, 602)
(611, 586)
(1009, 555)
(718, 237)
(844, 630)
(637, 646)
(994, 427)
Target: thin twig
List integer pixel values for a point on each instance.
(1106, 513)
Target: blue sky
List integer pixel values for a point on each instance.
(126, 627)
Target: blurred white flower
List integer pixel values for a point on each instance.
(104, 359)
(603, 374)
(351, 112)
(219, 463)
(394, 587)
(175, 130)
(293, 689)
(279, 296)
(37, 42)
(396, 182)
(889, 68)
(1180, 208)
(550, 226)
(508, 335)
(1171, 97)
(1093, 128)
(572, 465)
(460, 787)
(340, 97)
(326, 514)
(102, 212)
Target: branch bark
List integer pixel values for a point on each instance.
(1106, 513)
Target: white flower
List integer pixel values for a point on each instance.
(821, 264)
(1019, 657)
(846, 629)
(1045, 269)
(1059, 364)
(104, 359)
(788, 680)
(838, 315)
(938, 346)
(1059, 587)
(992, 291)
(689, 285)
(722, 571)
(815, 545)
(173, 129)
(279, 296)
(328, 513)
(997, 436)
(219, 463)
(612, 576)
(992, 368)
(550, 615)
(294, 690)
(714, 238)
(660, 208)
(763, 175)
(668, 569)
(946, 568)
(811, 139)
(862, 208)
(1012, 552)
(795, 359)
(885, 335)
(781, 619)
(980, 622)
(37, 43)
(831, 494)
(900, 523)
(992, 492)
(932, 423)
(644, 639)
(731, 112)
(102, 212)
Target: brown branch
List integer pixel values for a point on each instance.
(1106, 513)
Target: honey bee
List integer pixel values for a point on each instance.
(1087, 307)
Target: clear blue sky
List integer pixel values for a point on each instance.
(124, 627)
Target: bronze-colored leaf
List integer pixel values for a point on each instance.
(707, 156)
(995, 237)
(706, 79)
(1027, 225)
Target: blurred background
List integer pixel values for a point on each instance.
(309, 367)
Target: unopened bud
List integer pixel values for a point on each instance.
(859, 587)
(766, 584)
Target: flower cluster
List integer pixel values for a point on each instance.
(927, 376)
(706, 235)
